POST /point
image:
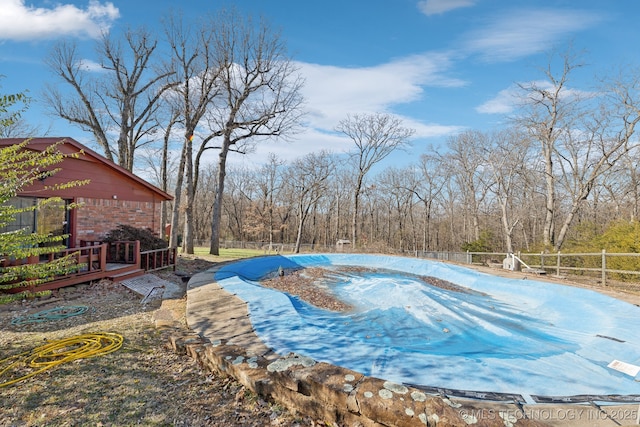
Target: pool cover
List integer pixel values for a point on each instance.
(530, 338)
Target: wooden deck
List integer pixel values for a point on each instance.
(115, 261)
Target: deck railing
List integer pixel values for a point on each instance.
(128, 252)
(89, 258)
(91, 263)
(119, 252)
(92, 258)
(157, 259)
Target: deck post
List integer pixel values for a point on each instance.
(136, 252)
(103, 256)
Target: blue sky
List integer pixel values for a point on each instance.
(441, 65)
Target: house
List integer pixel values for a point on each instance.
(113, 196)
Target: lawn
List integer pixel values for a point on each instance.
(228, 253)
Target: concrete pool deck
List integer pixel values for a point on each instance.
(223, 340)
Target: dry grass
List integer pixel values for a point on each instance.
(141, 384)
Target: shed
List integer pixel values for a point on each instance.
(341, 244)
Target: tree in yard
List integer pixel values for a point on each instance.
(393, 183)
(550, 110)
(465, 159)
(606, 137)
(426, 185)
(122, 96)
(267, 182)
(20, 128)
(507, 157)
(260, 95)
(582, 138)
(9, 113)
(19, 168)
(375, 136)
(195, 73)
(308, 180)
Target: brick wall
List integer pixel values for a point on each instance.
(96, 217)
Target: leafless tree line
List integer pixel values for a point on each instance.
(566, 160)
(495, 196)
(225, 83)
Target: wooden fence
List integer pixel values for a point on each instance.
(603, 264)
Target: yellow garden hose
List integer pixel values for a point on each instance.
(27, 364)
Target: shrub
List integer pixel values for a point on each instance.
(148, 240)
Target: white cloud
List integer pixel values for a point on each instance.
(20, 22)
(521, 33)
(435, 7)
(333, 92)
(503, 103)
(92, 66)
(517, 96)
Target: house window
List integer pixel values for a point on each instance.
(51, 218)
(23, 220)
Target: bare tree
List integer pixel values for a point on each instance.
(20, 128)
(550, 110)
(267, 180)
(308, 179)
(376, 136)
(121, 97)
(163, 167)
(428, 183)
(508, 155)
(465, 158)
(393, 182)
(606, 137)
(260, 95)
(582, 136)
(195, 71)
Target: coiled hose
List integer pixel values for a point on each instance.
(25, 365)
(51, 314)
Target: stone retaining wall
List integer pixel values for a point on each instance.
(334, 394)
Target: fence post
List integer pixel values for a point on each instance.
(542, 260)
(604, 267)
(558, 265)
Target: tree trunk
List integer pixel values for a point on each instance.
(164, 183)
(175, 213)
(549, 219)
(508, 230)
(301, 219)
(216, 216)
(356, 208)
(187, 241)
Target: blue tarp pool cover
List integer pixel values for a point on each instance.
(504, 335)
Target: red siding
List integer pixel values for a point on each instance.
(106, 178)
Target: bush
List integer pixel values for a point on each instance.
(148, 240)
(483, 244)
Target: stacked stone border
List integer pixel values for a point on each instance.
(331, 393)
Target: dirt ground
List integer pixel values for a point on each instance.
(142, 383)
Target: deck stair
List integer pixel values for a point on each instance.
(125, 274)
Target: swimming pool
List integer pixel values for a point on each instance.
(499, 335)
